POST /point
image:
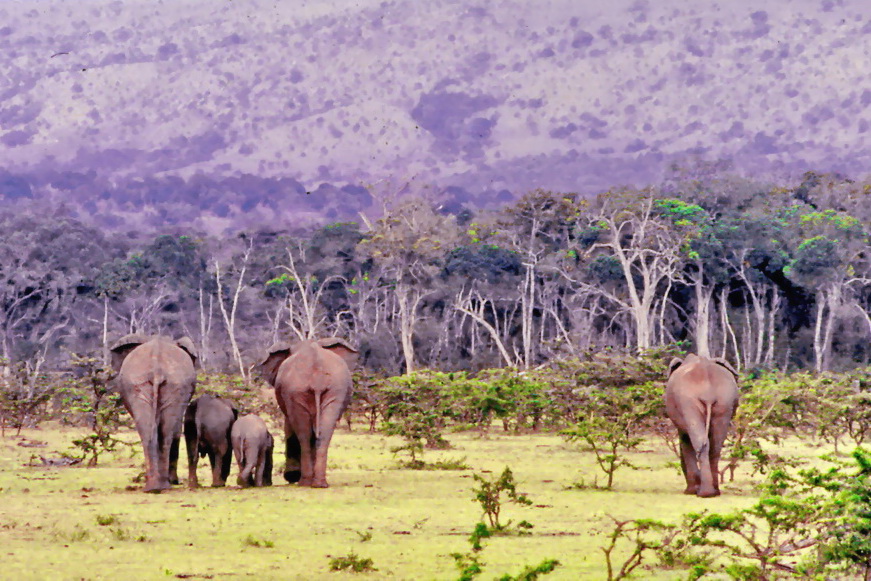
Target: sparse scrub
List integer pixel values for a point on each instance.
(489, 495)
(614, 425)
(258, 543)
(351, 562)
(105, 520)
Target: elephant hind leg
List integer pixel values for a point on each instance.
(293, 451)
(689, 465)
(267, 467)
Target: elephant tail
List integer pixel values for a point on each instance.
(709, 409)
(317, 413)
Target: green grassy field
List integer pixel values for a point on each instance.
(95, 523)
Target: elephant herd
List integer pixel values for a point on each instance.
(312, 382)
(157, 378)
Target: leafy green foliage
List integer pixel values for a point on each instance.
(414, 409)
(614, 424)
(643, 536)
(811, 524)
(489, 495)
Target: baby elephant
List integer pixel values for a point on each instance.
(252, 445)
(207, 426)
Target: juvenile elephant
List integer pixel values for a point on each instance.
(701, 397)
(312, 381)
(252, 446)
(207, 424)
(156, 379)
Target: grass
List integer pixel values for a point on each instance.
(78, 522)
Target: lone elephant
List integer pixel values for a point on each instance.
(252, 446)
(207, 424)
(701, 397)
(156, 380)
(312, 381)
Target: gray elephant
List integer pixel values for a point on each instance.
(701, 397)
(252, 446)
(207, 424)
(156, 380)
(312, 381)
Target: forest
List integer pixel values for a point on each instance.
(769, 276)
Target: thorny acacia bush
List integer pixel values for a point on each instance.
(89, 396)
(614, 424)
(807, 524)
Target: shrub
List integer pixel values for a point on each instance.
(351, 562)
(614, 424)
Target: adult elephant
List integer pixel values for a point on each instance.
(156, 380)
(312, 381)
(207, 425)
(253, 445)
(701, 397)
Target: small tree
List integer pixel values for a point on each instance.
(90, 395)
(415, 410)
(615, 424)
(489, 495)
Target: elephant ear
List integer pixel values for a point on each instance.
(723, 363)
(675, 363)
(270, 364)
(341, 348)
(123, 346)
(188, 346)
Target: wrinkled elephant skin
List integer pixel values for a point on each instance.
(701, 397)
(312, 381)
(207, 425)
(252, 446)
(156, 380)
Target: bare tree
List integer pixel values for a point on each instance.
(229, 316)
(646, 249)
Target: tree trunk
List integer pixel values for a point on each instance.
(230, 318)
(703, 313)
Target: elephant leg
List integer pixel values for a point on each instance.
(258, 466)
(689, 465)
(146, 425)
(167, 435)
(192, 443)
(706, 480)
(226, 464)
(329, 420)
(239, 453)
(306, 457)
(219, 458)
(292, 453)
(249, 464)
(267, 467)
(717, 437)
(173, 460)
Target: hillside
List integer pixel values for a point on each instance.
(101, 98)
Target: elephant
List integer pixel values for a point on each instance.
(252, 446)
(207, 424)
(701, 397)
(156, 380)
(312, 381)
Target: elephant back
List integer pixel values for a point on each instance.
(158, 361)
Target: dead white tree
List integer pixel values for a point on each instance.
(647, 251)
(229, 316)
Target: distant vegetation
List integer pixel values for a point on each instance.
(770, 277)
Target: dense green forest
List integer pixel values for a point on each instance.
(767, 275)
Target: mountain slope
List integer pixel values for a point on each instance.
(488, 96)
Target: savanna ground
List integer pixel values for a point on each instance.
(95, 523)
